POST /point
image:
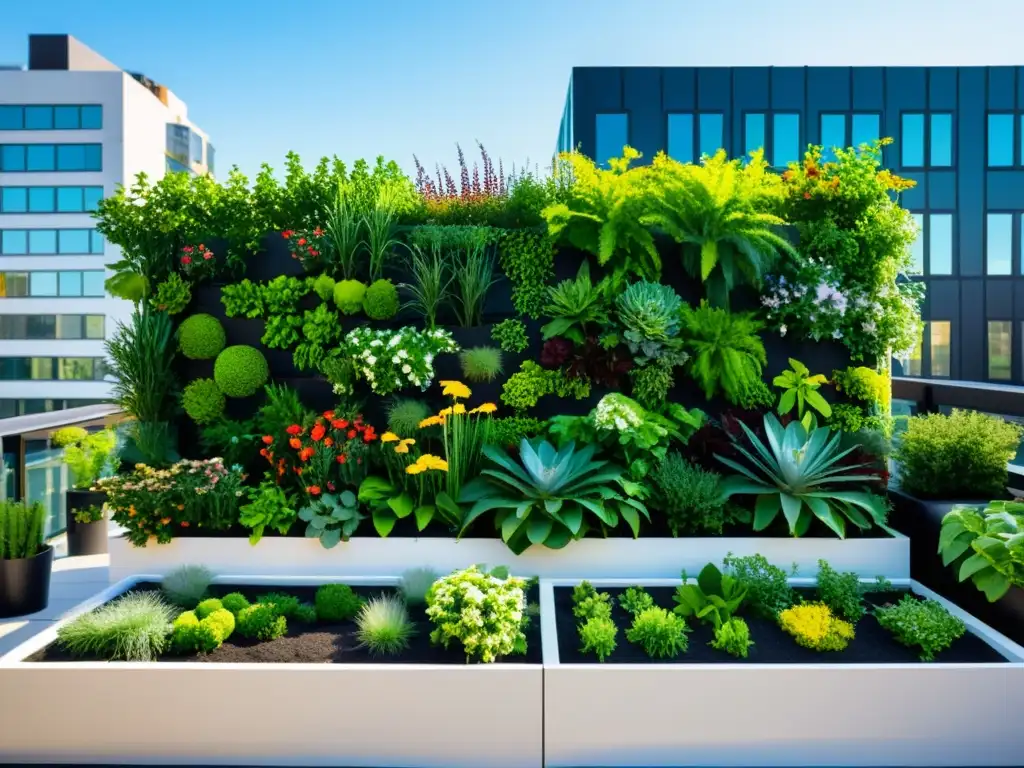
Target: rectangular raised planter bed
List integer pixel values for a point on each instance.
(643, 558)
(759, 714)
(368, 714)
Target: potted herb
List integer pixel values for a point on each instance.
(25, 560)
(89, 456)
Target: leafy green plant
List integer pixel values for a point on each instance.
(714, 598)
(203, 401)
(21, 529)
(243, 299)
(332, 518)
(201, 337)
(756, 397)
(473, 277)
(305, 614)
(234, 602)
(416, 582)
(726, 354)
(652, 382)
(510, 335)
(813, 626)
(576, 307)
(588, 603)
(528, 260)
(134, 627)
(172, 295)
(383, 626)
(323, 286)
(91, 514)
(649, 313)
(661, 634)
(186, 585)
(431, 283)
(841, 592)
(690, 497)
(548, 497)
(767, 586)
(90, 456)
(598, 636)
(321, 332)
(405, 415)
(733, 637)
(925, 624)
(208, 606)
(240, 371)
(800, 390)
(268, 507)
(343, 227)
(481, 363)
(524, 388)
(865, 385)
(509, 431)
(281, 409)
(799, 474)
(380, 302)
(336, 602)
(379, 223)
(960, 456)
(284, 604)
(349, 295)
(141, 361)
(635, 599)
(987, 546)
(261, 621)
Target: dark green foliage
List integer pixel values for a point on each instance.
(768, 591)
(381, 300)
(240, 371)
(598, 636)
(21, 529)
(921, 623)
(305, 614)
(201, 337)
(208, 606)
(261, 622)
(588, 603)
(690, 497)
(733, 637)
(141, 362)
(652, 382)
(203, 401)
(337, 602)
(234, 602)
(661, 634)
(285, 605)
(635, 599)
(714, 598)
(841, 592)
(230, 439)
(405, 415)
(528, 258)
(134, 627)
(509, 431)
(281, 409)
(511, 335)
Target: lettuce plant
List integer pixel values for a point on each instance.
(986, 545)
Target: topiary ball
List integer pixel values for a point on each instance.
(203, 401)
(208, 606)
(234, 602)
(381, 300)
(240, 371)
(222, 620)
(323, 287)
(201, 337)
(348, 296)
(336, 602)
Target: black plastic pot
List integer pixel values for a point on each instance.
(25, 584)
(86, 538)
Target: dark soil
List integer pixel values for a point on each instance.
(322, 642)
(872, 645)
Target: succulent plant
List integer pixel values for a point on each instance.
(649, 312)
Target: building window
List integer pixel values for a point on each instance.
(753, 132)
(52, 368)
(999, 244)
(1000, 346)
(196, 154)
(941, 355)
(32, 158)
(711, 133)
(612, 134)
(866, 128)
(51, 242)
(941, 140)
(940, 244)
(912, 141)
(49, 199)
(833, 135)
(49, 327)
(1000, 140)
(785, 139)
(936, 144)
(911, 361)
(680, 137)
(46, 283)
(9, 408)
(210, 155)
(917, 247)
(44, 117)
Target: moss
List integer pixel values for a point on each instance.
(201, 337)
(203, 401)
(381, 300)
(240, 371)
(348, 296)
(337, 602)
(234, 602)
(208, 606)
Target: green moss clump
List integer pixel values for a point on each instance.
(381, 300)
(323, 287)
(240, 371)
(201, 337)
(348, 296)
(203, 401)
(261, 622)
(234, 602)
(208, 606)
(337, 602)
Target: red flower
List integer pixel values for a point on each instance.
(186, 259)
(328, 414)
(287, 233)
(305, 454)
(294, 429)
(187, 249)
(342, 458)
(318, 232)
(264, 453)
(351, 434)
(295, 443)
(184, 524)
(313, 253)
(318, 433)
(330, 486)
(208, 255)
(339, 423)
(328, 442)
(314, 490)
(267, 439)
(807, 195)
(302, 241)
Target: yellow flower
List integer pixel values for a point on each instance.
(389, 437)
(458, 409)
(401, 448)
(455, 389)
(429, 461)
(431, 421)
(415, 469)
(485, 408)
(407, 442)
(444, 413)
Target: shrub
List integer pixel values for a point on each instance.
(323, 286)
(635, 599)
(186, 586)
(733, 637)
(756, 396)
(172, 295)
(183, 632)
(865, 384)
(201, 337)
(841, 592)
(240, 371)
(134, 627)
(348, 296)
(598, 635)
(336, 602)
(284, 605)
(768, 590)
(405, 415)
(261, 622)
(194, 634)
(305, 613)
(727, 355)
(381, 300)
(959, 456)
(222, 620)
(509, 431)
(21, 529)
(384, 626)
(234, 602)
(481, 363)
(813, 626)
(203, 401)
(482, 612)
(690, 497)
(511, 335)
(922, 623)
(208, 606)
(68, 436)
(652, 383)
(416, 582)
(588, 603)
(661, 634)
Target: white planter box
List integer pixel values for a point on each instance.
(643, 558)
(267, 714)
(780, 714)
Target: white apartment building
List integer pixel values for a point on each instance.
(72, 127)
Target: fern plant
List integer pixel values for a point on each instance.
(574, 305)
(726, 354)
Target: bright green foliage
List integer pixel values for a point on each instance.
(89, 457)
(234, 602)
(282, 318)
(767, 586)
(841, 592)
(733, 637)
(690, 497)
(194, 634)
(756, 397)
(186, 586)
(852, 419)
(588, 603)
(714, 598)
(577, 307)
(222, 620)
(799, 475)
(649, 312)
(959, 456)
(523, 389)
(332, 518)
(337, 602)
(343, 227)
(305, 614)
(323, 286)
(261, 622)
(321, 332)
(661, 634)
(284, 604)
(348, 296)
(134, 627)
(550, 497)
(726, 354)
(527, 259)
(866, 385)
(240, 371)
(986, 545)
(203, 401)
(431, 275)
(511, 335)
(172, 295)
(405, 415)
(68, 436)
(483, 612)
(416, 582)
(925, 624)
(201, 337)
(381, 300)
(243, 299)
(268, 507)
(598, 636)
(208, 606)
(635, 599)
(800, 389)
(602, 215)
(183, 632)
(509, 431)
(384, 625)
(813, 626)
(481, 363)
(652, 382)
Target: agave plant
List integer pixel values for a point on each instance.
(545, 499)
(649, 312)
(798, 473)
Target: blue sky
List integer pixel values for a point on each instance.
(358, 78)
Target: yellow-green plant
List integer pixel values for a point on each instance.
(800, 390)
(813, 626)
(91, 457)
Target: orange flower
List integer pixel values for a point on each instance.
(329, 442)
(267, 439)
(295, 443)
(340, 423)
(264, 453)
(184, 524)
(305, 454)
(181, 507)
(318, 433)
(314, 490)
(328, 415)
(165, 520)
(294, 429)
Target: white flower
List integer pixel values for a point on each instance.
(405, 368)
(403, 354)
(371, 360)
(782, 330)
